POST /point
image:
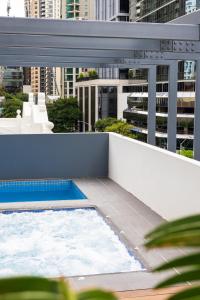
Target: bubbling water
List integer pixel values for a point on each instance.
(61, 243)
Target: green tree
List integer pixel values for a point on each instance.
(186, 153)
(184, 232)
(122, 128)
(2, 91)
(10, 107)
(103, 123)
(93, 74)
(22, 96)
(12, 103)
(64, 113)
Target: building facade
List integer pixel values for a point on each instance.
(160, 12)
(109, 10)
(74, 10)
(12, 79)
(102, 98)
(46, 80)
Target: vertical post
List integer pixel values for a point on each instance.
(151, 138)
(78, 100)
(172, 106)
(89, 108)
(78, 95)
(83, 108)
(197, 114)
(96, 103)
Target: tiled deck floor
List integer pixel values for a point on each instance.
(134, 220)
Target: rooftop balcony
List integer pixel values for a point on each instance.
(133, 184)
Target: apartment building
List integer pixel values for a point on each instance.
(12, 79)
(81, 10)
(46, 80)
(160, 12)
(116, 11)
(105, 96)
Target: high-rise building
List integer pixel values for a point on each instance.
(45, 80)
(27, 6)
(12, 79)
(32, 10)
(109, 10)
(74, 10)
(160, 12)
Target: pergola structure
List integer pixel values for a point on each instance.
(65, 43)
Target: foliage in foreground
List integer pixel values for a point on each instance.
(36, 288)
(184, 232)
(64, 113)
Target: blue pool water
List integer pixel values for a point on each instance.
(39, 190)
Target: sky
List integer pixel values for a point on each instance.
(17, 8)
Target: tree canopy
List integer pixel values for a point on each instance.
(64, 113)
(103, 123)
(114, 125)
(12, 103)
(10, 108)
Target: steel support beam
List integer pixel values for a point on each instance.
(60, 64)
(42, 59)
(172, 106)
(53, 53)
(98, 29)
(73, 42)
(151, 138)
(64, 52)
(197, 114)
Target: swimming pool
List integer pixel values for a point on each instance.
(70, 242)
(39, 190)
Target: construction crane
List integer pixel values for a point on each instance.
(8, 8)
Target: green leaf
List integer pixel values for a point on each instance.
(96, 295)
(188, 294)
(185, 261)
(65, 290)
(176, 239)
(190, 276)
(30, 296)
(176, 226)
(23, 284)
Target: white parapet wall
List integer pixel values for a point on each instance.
(166, 182)
(34, 118)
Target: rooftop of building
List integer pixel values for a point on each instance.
(135, 186)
